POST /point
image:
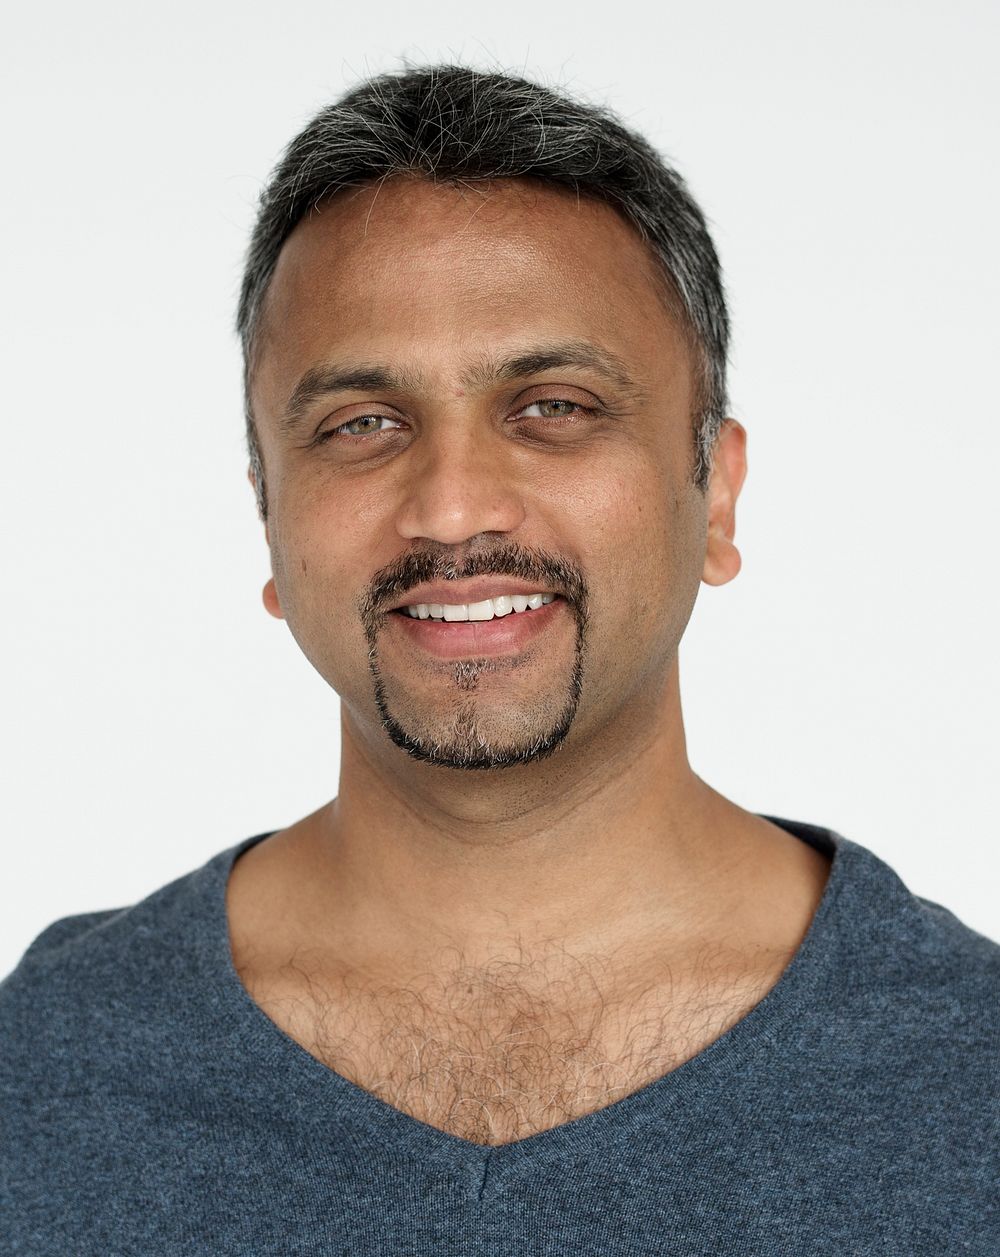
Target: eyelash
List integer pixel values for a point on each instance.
(541, 401)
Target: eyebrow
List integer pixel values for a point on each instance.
(329, 378)
(321, 381)
(569, 353)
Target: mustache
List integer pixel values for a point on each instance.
(390, 583)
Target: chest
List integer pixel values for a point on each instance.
(496, 1056)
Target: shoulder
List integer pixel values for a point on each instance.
(917, 946)
(91, 989)
(889, 938)
(67, 960)
(895, 981)
(911, 993)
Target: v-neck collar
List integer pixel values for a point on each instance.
(303, 1086)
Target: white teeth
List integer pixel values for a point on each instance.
(485, 610)
(481, 610)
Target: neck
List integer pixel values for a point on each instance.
(611, 839)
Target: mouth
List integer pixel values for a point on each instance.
(505, 625)
(480, 612)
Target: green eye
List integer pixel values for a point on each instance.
(363, 425)
(551, 408)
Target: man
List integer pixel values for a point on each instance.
(527, 984)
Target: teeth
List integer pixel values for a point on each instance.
(485, 610)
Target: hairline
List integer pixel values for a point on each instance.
(663, 282)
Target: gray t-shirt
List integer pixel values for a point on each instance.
(149, 1107)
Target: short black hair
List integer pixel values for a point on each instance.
(454, 124)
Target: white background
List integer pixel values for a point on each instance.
(846, 156)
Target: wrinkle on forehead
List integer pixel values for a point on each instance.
(494, 248)
(411, 215)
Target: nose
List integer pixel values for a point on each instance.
(459, 485)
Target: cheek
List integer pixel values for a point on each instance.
(314, 559)
(620, 513)
(637, 533)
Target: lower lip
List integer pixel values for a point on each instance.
(463, 639)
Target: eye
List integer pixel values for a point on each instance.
(361, 425)
(553, 408)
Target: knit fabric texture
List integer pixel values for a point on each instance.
(149, 1106)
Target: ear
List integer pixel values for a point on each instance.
(729, 469)
(270, 592)
(270, 600)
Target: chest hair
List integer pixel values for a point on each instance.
(499, 1052)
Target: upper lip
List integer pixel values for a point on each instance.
(458, 592)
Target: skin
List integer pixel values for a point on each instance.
(610, 845)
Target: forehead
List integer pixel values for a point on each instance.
(435, 274)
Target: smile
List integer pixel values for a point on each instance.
(478, 629)
(488, 609)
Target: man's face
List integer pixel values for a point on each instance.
(463, 395)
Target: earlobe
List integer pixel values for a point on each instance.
(270, 599)
(729, 469)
